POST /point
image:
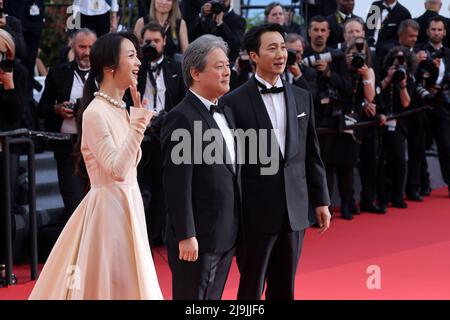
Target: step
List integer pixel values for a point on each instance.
(43, 160)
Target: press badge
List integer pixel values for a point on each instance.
(391, 125)
(34, 10)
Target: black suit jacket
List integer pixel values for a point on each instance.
(423, 22)
(202, 199)
(336, 29)
(388, 32)
(173, 80)
(14, 27)
(268, 199)
(21, 10)
(58, 85)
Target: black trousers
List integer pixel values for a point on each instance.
(271, 259)
(71, 186)
(392, 176)
(417, 140)
(203, 279)
(100, 23)
(369, 165)
(441, 132)
(345, 179)
(32, 37)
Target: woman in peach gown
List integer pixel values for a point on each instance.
(103, 251)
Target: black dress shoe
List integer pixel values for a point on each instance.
(425, 190)
(354, 209)
(399, 204)
(346, 213)
(373, 208)
(414, 196)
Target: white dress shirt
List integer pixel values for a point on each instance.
(70, 125)
(384, 14)
(276, 108)
(94, 7)
(160, 93)
(223, 126)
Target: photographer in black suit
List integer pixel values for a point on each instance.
(397, 89)
(296, 72)
(336, 21)
(218, 18)
(161, 83)
(434, 75)
(202, 196)
(432, 9)
(58, 106)
(276, 205)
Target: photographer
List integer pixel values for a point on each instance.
(296, 72)
(242, 71)
(161, 83)
(14, 27)
(58, 106)
(337, 20)
(333, 85)
(217, 17)
(433, 75)
(13, 77)
(397, 88)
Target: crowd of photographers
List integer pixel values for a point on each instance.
(381, 89)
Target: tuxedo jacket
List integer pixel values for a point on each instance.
(336, 29)
(173, 80)
(300, 181)
(423, 22)
(202, 199)
(389, 27)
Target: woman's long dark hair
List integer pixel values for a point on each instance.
(105, 53)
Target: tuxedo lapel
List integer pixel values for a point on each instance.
(208, 118)
(67, 80)
(291, 143)
(258, 105)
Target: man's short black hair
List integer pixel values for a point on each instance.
(319, 19)
(252, 38)
(153, 26)
(437, 19)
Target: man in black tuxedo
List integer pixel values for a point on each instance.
(432, 9)
(336, 21)
(202, 196)
(276, 206)
(226, 24)
(382, 31)
(58, 105)
(161, 83)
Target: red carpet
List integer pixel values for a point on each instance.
(411, 247)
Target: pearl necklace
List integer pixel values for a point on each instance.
(112, 101)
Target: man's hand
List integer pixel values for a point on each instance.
(62, 111)
(370, 109)
(322, 66)
(218, 18)
(295, 70)
(3, 21)
(382, 119)
(206, 9)
(188, 249)
(7, 79)
(421, 56)
(323, 218)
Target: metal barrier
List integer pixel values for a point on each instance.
(8, 139)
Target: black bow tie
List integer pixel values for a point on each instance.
(216, 108)
(81, 73)
(265, 90)
(155, 67)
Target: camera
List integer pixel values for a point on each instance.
(149, 52)
(5, 64)
(74, 106)
(217, 6)
(425, 96)
(245, 65)
(427, 71)
(400, 72)
(291, 58)
(328, 57)
(359, 58)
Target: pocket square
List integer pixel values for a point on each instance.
(303, 114)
